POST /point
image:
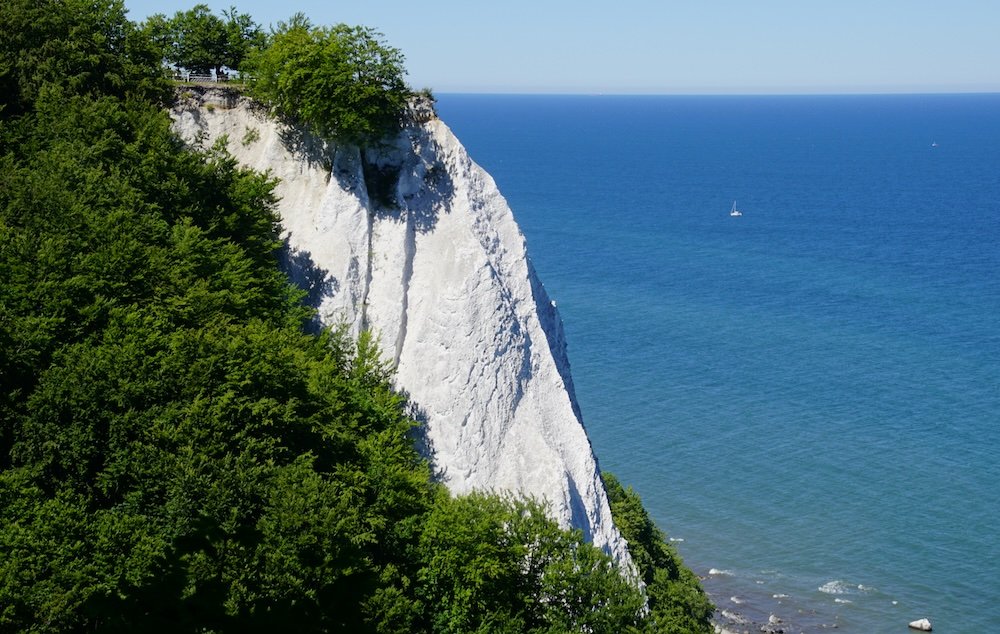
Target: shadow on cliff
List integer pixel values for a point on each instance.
(409, 182)
(306, 146)
(303, 271)
(555, 335)
(405, 181)
(421, 440)
(579, 510)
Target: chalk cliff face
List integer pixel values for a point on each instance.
(427, 255)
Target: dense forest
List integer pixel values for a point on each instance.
(179, 450)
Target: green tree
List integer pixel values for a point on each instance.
(158, 29)
(499, 564)
(243, 37)
(342, 81)
(677, 603)
(201, 42)
(78, 46)
(200, 39)
(176, 453)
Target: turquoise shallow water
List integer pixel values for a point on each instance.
(809, 395)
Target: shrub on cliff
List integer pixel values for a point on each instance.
(495, 564)
(342, 81)
(677, 604)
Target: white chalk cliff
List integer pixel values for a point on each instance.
(442, 276)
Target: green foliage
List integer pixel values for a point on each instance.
(243, 37)
(175, 453)
(220, 470)
(342, 81)
(158, 30)
(80, 46)
(677, 603)
(201, 41)
(251, 136)
(494, 564)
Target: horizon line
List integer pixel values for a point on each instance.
(859, 93)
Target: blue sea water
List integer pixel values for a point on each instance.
(807, 397)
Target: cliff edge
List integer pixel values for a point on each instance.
(414, 241)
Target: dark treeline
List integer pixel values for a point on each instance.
(202, 42)
(177, 452)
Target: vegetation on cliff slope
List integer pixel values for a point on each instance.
(676, 600)
(177, 452)
(341, 81)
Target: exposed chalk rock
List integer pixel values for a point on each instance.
(427, 255)
(922, 625)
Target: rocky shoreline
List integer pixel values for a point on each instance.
(740, 610)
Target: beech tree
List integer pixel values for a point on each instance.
(243, 36)
(200, 41)
(342, 81)
(75, 46)
(495, 564)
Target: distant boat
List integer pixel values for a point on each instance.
(735, 212)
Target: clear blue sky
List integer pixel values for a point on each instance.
(669, 46)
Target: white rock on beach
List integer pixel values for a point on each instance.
(443, 279)
(923, 625)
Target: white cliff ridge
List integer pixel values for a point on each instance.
(431, 260)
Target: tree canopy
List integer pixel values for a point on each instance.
(202, 42)
(77, 46)
(496, 564)
(342, 81)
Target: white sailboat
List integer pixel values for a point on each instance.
(735, 212)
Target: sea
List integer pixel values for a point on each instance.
(807, 396)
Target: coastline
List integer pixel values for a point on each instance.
(744, 606)
(773, 603)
